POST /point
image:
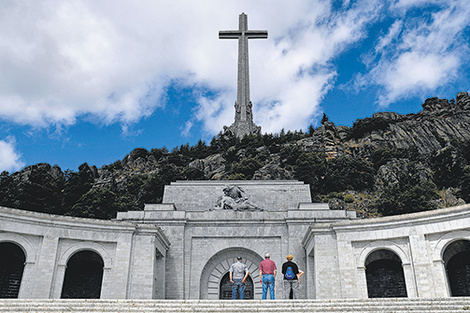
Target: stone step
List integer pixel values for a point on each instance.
(355, 305)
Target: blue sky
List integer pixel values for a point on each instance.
(88, 81)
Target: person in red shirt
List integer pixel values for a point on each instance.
(267, 275)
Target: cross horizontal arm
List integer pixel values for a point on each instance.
(256, 34)
(230, 34)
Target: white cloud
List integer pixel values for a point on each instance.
(406, 4)
(412, 71)
(10, 158)
(186, 129)
(419, 54)
(113, 61)
(391, 37)
(63, 60)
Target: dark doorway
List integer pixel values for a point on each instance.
(226, 288)
(384, 274)
(83, 276)
(457, 261)
(12, 259)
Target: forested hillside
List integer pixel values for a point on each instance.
(384, 165)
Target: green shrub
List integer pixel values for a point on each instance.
(348, 198)
(338, 195)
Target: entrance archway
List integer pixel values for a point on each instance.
(83, 277)
(217, 268)
(225, 292)
(384, 274)
(12, 259)
(457, 263)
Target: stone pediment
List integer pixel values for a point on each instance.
(267, 195)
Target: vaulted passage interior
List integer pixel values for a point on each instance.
(83, 276)
(226, 288)
(12, 259)
(457, 263)
(384, 273)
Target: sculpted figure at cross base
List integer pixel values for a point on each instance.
(234, 198)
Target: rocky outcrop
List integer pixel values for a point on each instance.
(436, 126)
(390, 173)
(213, 166)
(327, 138)
(272, 171)
(27, 173)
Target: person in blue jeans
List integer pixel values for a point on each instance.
(267, 276)
(238, 274)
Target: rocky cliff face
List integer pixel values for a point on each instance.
(435, 127)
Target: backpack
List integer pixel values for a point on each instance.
(289, 273)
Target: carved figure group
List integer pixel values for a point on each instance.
(234, 198)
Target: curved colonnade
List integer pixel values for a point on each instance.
(423, 254)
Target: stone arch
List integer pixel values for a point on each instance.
(12, 262)
(23, 243)
(384, 274)
(90, 246)
(84, 276)
(445, 241)
(219, 264)
(68, 251)
(456, 257)
(381, 245)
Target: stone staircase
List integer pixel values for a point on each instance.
(247, 306)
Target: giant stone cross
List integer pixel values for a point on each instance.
(243, 124)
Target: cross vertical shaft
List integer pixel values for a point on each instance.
(243, 108)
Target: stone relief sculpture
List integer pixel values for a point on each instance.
(234, 198)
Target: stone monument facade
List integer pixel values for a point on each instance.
(183, 248)
(243, 124)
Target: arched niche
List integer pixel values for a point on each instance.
(12, 261)
(456, 257)
(88, 246)
(219, 265)
(83, 276)
(384, 275)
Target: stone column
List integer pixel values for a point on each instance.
(309, 277)
(410, 280)
(143, 268)
(418, 275)
(175, 265)
(44, 273)
(347, 267)
(441, 282)
(296, 229)
(117, 280)
(361, 282)
(58, 281)
(27, 280)
(106, 283)
(327, 275)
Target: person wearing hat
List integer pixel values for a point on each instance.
(290, 270)
(238, 274)
(267, 275)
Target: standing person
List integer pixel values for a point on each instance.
(238, 274)
(267, 275)
(291, 273)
